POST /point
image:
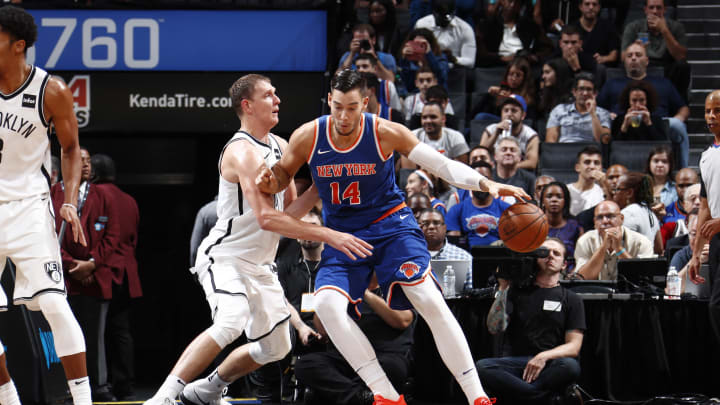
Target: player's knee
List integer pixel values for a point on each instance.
(325, 306)
(66, 331)
(229, 321)
(223, 335)
(273, 347)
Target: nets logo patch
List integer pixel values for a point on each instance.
(28, 100)
(52, 269)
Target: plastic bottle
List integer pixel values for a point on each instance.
(673, 284)
(449, 282)
(467, 286)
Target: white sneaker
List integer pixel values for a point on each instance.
(160, 401)
(195, 394)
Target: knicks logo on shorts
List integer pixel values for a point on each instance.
(409, 269)
(52, 269)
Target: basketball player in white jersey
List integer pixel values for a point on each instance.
(30, 102)
(235, 261)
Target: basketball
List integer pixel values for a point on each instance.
(523, 227)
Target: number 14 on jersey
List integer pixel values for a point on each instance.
(351, 192)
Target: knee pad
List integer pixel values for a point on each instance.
(66, 331)
(273, 347)
(230, 315)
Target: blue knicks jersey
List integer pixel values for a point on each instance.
(357, 184)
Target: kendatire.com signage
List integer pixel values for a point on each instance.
(181, 40)
(181, 102)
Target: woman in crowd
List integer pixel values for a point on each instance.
(638, 123)
(634, 195)
(419, 182)
(659, 166)
(387, 31)
(555, 201)
(555, 84)
(421, 49)
(518, 79)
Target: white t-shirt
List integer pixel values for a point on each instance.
(451, 143)
(414, 105)
(582, 200)
(640, 219)
(523, 137)
(511, 42)
(458, 37)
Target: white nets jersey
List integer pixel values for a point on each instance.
(24, 140)
(237, 233)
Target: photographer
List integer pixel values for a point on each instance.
(543, 325)
(364, 42)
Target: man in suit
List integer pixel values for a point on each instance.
(89, 284)
(124, 217)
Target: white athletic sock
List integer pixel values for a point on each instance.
(171, 387)
(80, 391)
(8, 394)
(449, 337)
(213, 385)
(352, 343)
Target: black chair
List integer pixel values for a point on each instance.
(561, 156)
(459, 104)
(476, 130)
(486, 77)
(633, 154)
(563, 176)
(457, 80)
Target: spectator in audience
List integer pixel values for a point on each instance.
(666, 46)
(507, 159)
(414, 103)
(387, 93)
(513, 111)
(463, 9)
(542, 343)
(205, 219)
(508, 33)
(376, 106)
(540, 182)
(437, 94)
(660, 167)
(586, 191)
(387, 30)
(556, 14)
(599, 38)
(555, 202)
(684, 179)
(570, 48)
(634, 196)
(638, 122)
(582, 120)
(670, 104)
(478, 216)
(586, 217)
(677, 224)
(328, 376)
(597, 251)
(364, 42)
(432, 223)
(555, 84)
(54, 170)
(88, 270)
(518, 80)
(418, 202)
(125, 278)
(682, 257)
(421, 49)
(420, 182)
(447, 141)
(455, 36)
(483, 153)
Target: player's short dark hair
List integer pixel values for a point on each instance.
(368, 57)
(587, 76)
(570, 29)
(243, 89)
(103, 168)
(588, 150)
(18, 24)
(371, 81)
(347, 80)
(436, 92)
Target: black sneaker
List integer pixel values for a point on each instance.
(573, 395)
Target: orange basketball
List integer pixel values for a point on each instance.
(523, 227)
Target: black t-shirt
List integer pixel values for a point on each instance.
(522, 178)
(383, 337)
(296, 278)
(641, 133)
(539, 319)
(602, 39)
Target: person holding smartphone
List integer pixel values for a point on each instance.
(421, 49)
(363, 41)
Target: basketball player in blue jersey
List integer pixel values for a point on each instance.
(350, 154)
(708, 223)
(234, 264)
(31, 102)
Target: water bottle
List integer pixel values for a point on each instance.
(507, 132)
(449, 282)
(467, 286)
(673, 284)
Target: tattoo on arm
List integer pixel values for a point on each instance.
(497, 320)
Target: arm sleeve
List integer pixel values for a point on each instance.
(452, 171)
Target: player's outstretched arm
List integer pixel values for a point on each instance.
(58, 107)
(241, 164)
(397, 137)
(275, 179)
